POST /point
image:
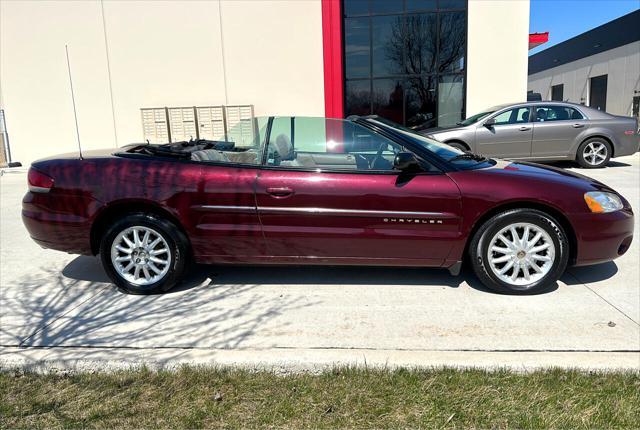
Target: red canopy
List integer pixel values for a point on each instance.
(537, 39)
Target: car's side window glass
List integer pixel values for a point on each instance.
(512, 116)
(328, 144)
(557, 113)
(242, 144)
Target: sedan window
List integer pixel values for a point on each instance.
(557, 113)
(512, 116)
(320, 143)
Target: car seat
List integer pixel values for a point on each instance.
(209, 155)
(541, 114)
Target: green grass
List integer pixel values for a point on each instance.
(188, 398)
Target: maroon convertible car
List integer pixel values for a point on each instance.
(294, 190)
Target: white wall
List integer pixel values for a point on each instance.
(160, 53)
(622, 65)
(498, 43)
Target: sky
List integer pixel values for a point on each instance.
(564, 19)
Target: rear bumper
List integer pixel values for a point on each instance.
(55, 229)
(602, 237)
(627, 145)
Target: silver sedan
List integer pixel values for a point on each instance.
(545, 131)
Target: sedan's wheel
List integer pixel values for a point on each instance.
(143, 254)
(594, 153)
(521, 251)
(458, 145)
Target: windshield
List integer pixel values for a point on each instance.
(475, 118)
(442, 150)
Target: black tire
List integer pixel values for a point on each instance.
(461, 146)
(583, 159)
(479, 251)
(178, 248)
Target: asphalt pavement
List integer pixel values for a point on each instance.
(59, 311)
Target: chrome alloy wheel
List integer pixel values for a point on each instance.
(595, 153)
(521, 254)
(140, 255)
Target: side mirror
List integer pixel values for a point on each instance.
(405, 161)
(490, 122)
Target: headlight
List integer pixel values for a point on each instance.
(601, 202)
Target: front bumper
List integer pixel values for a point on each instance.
(602, 237)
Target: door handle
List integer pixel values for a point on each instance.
(578, 125)
(525, 128)
(279, 192)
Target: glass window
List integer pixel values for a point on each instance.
(450, 100)
(420, 41)
(453, 4)
(421, 103)
(388, 98)
(387, 49)
(320, 143)
(357, 46)
(453, 28)
(358, 97)
(512, 116)
(418, 5)
(556, 113)
(356, 7)
(408, 51)
(386, 6)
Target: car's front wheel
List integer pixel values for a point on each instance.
(520, 251)
(458, 145)
(594, 153)
(144, 254)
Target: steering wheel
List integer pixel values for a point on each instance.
(378, 155)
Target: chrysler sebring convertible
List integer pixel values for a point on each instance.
(294, 190)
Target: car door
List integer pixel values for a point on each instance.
(555, 129)
(506, 134)
(328, 193)
(224, 213)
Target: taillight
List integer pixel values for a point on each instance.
(39, 182)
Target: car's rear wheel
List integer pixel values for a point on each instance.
(144, 254)
(520, 251)
(594, 153)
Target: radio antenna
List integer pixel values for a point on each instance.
(73, 101)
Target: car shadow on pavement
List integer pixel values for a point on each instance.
(589, 274)
(89, 269)
(573, 164)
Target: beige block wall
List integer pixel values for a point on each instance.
(621, 65)
(34, 80)
(498, 44)
(160, 53)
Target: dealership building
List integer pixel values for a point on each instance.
(599, 68)
(163, 70)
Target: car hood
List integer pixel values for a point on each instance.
(544, 173)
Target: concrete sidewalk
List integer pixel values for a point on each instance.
(59, 310)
